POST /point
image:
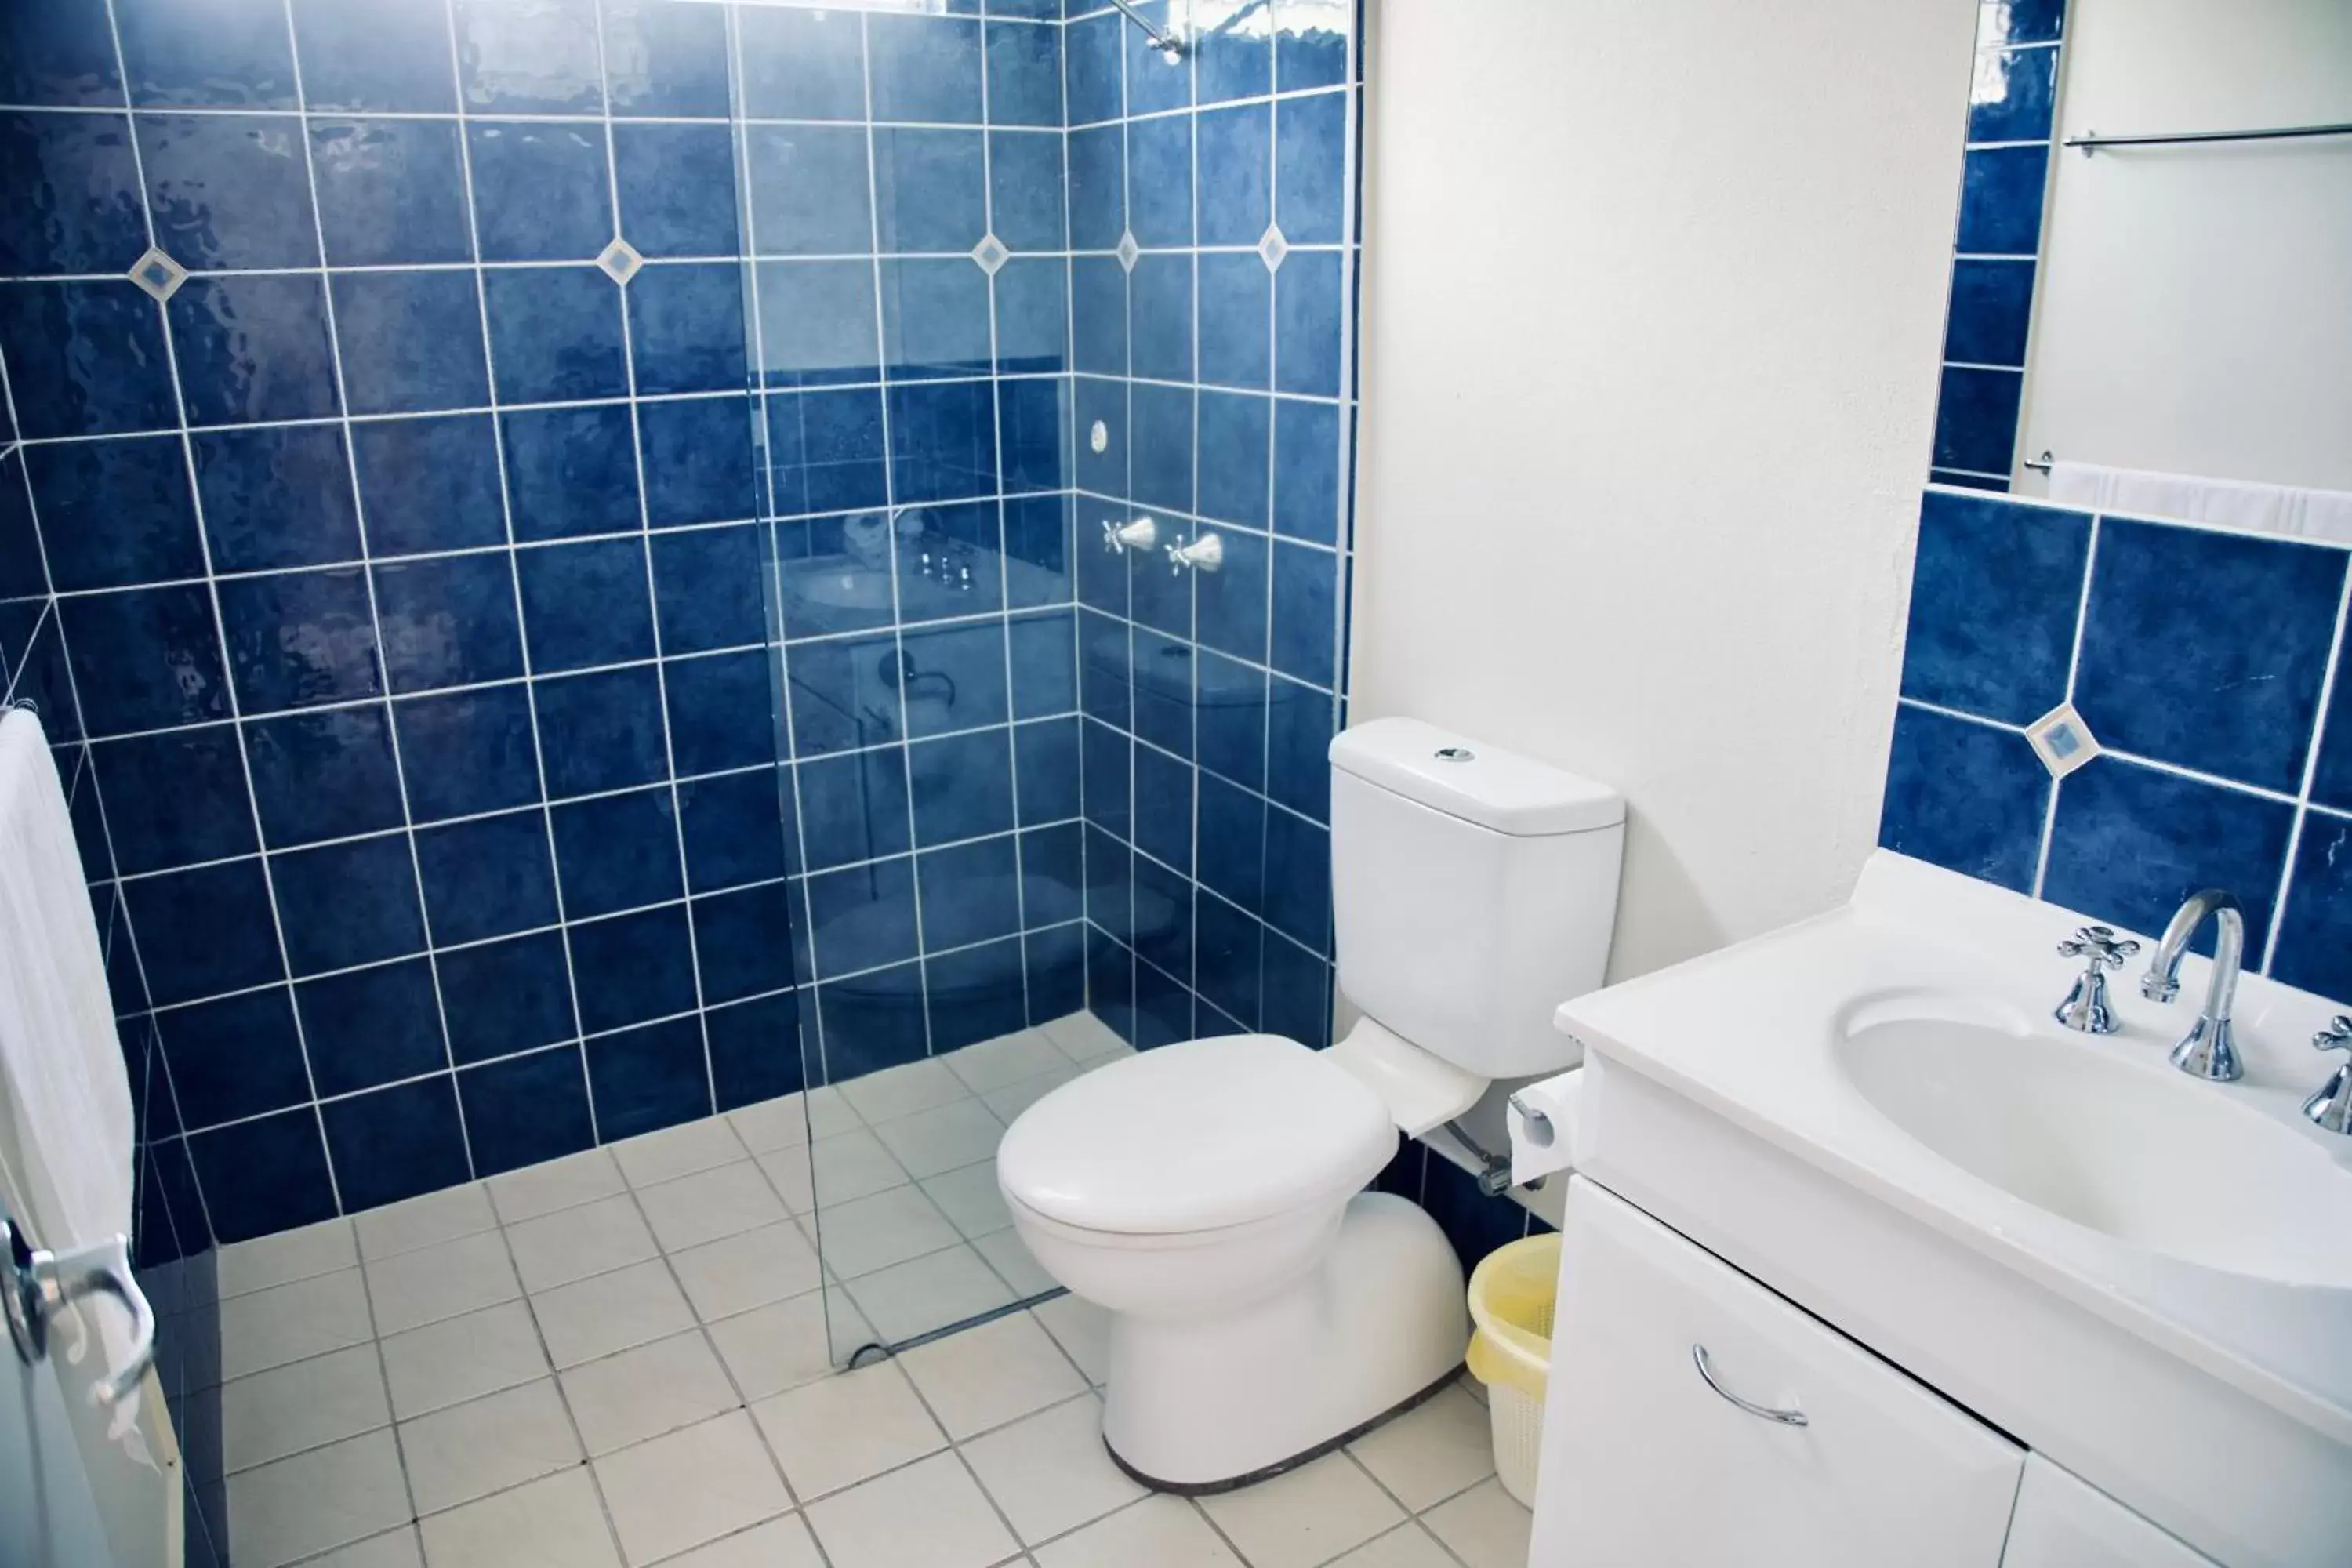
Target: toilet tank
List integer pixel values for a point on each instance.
(1473, 891)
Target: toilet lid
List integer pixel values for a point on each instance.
(1197, 1136)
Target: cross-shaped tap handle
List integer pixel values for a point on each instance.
(2100, 946)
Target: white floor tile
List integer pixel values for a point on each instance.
(782, 1345)
(608, 1313)
(444, 1216)
(302, 1405)
(396, 1549)
(1407, 1546)
(928, 1293)
(838, 1431)
(902, 1090)
(445, 1280)
(678, 1151)
(961, 1133)
(1010, 1101)
(829, 1113)
(779, 1123)
(848, 1166)
(871, 1233)
(725, 1200)
(1306, 1517)
(459, 1359)
(247, 1266)
(985, 1376)
(555, 1184)
(971, 1199)
(288, 1322)
(787, 1170)
(574, 1243)
(344, 1492)
(930, 1513)
(1005, 1060)
(647, 1391)
(488, 1445)
(741, 1272)
(1086, 1038)
(1484, 1527)
(1048, 1472)
(1161, 1531)
(1015, 1264)
(780, 1543)
(1082, 1329)
(558, 1522)
(690, 1487)
(1444, 1446)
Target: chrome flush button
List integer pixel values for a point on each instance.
(1456, 754)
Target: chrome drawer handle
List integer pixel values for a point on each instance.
(1790, 1418)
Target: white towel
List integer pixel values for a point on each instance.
(63, 1089)
(2288, 510)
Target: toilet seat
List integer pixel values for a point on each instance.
(1206, 1135)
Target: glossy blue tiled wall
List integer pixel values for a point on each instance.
(2208, 667)
(1213, 223)
(2013, 105)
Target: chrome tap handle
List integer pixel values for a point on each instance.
(1205, 553)
(1143, 533)
(2100, 946)
(2330, 1105)
(2085, 1006)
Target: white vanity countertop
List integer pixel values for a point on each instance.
(1751, 1033)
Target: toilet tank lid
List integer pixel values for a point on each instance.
(1476, 781)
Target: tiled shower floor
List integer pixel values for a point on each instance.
(620, 1357)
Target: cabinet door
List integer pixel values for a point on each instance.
(2064, 1523)
(1645, 1462)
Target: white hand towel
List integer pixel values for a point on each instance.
(63, 1088)
(2289, 510)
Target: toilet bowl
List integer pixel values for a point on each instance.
(1208, 1194)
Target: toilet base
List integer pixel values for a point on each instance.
(1201, 1404)
(1210, 1488)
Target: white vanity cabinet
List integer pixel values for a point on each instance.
(2064, 1523)
(1838, 1459)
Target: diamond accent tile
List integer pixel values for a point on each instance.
(1272, 247)
(1127, 251)
(620, 261)
(158, 274)
(2061, 740)
(990, 253)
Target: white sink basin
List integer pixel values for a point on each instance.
(2159, 1162)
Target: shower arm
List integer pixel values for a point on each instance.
(1166, 43)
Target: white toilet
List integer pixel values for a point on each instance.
(1264, 1307)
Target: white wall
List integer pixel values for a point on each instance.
(2192, 314)
(1655, 300)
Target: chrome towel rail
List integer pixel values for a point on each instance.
(2091, 141)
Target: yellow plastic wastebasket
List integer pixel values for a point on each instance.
(1513, 1295)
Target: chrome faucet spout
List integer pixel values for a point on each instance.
(2209, 1050)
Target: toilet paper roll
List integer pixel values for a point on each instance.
(1543, 1126)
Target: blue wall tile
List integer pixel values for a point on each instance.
(2129, 843)
(486, 876)
(631, 968)
(230, 190)
(448, 622)
(802, 64)
(742, 942)
(2001, 200)
(555, 333)
(525, 1110)
(686, 324)
(924, 68)
(662, 59)
(1965, 796)
(529, 56)
(371, 1026)
(390, 190)
(253, 346)
(1093, 70)
(1027, 190)
(145, 659)
(2315, 939)
(466, 751)
(931, 190)
(1025, 74)
(61, 53)
(411, 342)
(1994, 593)
(731, 830)
(645, 1080)
(600, 732)
(963, 786)
(755, 1050)
(571, 471)
(329, 774)
(396, 1143)
(2019, 21)
(1235, 292)
(707, 589)
(1237, 193)
(1097, 162)
(236, 1058)
(299, 639)
(696, 460)
(1307, 471)
(1159, 308)
(541, 192)
(586, 604)
(85, 358)
(229, 54)
(176, 798)
(275, 496)
(678, 187)
(115, 513)
(345, 904)
(1310, 143)
(1976, 418)
(1308, 314)
(718, 707)
(2208, 649)
(935, 319)
(504, 997)
(204, 932)
(1159, 181)
(1308, 51)
(1993, 304)
(264, 1175)
(618, 852)
(428, 484)
(2014, 94)
(374, 55)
